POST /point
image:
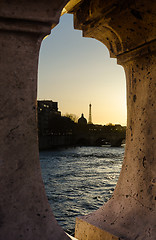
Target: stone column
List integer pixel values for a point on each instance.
(128, 30)
(25, 213)
(131, 212)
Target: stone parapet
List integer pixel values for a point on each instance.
(87, 231)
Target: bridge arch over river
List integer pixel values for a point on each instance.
(99, 138)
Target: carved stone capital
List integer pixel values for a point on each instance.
(34, 17)
(121, 25)
(141, 51)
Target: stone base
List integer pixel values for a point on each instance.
(73, 238)
(86, 231)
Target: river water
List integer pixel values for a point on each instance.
(79, 180)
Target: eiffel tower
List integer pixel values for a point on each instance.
(90, 114)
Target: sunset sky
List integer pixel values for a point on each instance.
(76, 71)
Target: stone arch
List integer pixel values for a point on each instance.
(108, 37)
(24, 210)
(101, 141)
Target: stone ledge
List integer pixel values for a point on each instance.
(73, 238)
(86, 231)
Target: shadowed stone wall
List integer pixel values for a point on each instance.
(25, 213)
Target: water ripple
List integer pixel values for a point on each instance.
(79, 180)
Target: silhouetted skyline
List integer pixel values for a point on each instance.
(75, 71)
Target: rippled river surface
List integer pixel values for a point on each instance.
(79, 180)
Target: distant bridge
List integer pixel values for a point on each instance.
(87, 135)
(99, 138)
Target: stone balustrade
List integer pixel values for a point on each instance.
(128, 29)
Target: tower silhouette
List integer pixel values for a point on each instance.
(90, 114)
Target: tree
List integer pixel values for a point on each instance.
(73, 117)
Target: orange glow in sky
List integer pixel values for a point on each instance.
(75, 71)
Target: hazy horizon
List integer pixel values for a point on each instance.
(76, 71)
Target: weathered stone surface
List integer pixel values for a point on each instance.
(131, 212)
(87, 231)
(128, 29)
(41, 11)
(121, 25)
(25, 213)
